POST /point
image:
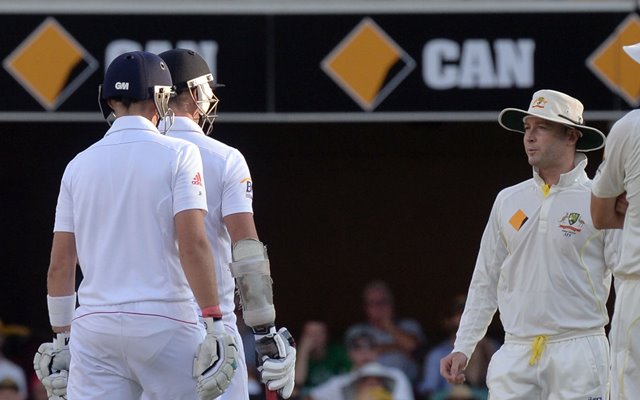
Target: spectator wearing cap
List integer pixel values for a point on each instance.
(371, 382)
(13, 380)
(362, 351)
(398, 339)
(9, 390)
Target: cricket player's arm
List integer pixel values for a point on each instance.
(250, 268)
(196, 257)
(241, 226)
(608, 212)
(608, 192)
(61, 279)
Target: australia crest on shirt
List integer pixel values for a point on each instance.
(571, 224)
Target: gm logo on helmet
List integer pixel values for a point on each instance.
(122, 85)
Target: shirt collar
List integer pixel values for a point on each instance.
(131, 122)
(577, 174)
(185, 124)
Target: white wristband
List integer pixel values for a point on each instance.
(61, 309)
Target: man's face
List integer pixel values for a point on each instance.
(367, 385)
(9, 394)
(361, 354)
(9, 389)
(546, 143)
(377, 305)
(317, 334)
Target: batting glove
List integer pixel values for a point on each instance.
(51, 364)
(215, 361)
(56, 385)
(278, 356)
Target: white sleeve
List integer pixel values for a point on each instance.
(609, 179)
(237, 193)
(612, 247)
(64, 207)
(482, 299)
(188, 185)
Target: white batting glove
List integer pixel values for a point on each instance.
(215, 361)
(56, 385)
(51, 364)
(278, 356)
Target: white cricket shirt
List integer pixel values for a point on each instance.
(119, 198)
(541, 263)
(620, 172)
(229, 191)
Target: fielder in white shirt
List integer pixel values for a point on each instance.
(230, 228)
(131, 212)
(544, 266)
(615, 203)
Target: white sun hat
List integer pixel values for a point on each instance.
(557, 107)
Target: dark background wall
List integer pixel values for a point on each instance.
(337, 205)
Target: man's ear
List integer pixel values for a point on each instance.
(574, 135)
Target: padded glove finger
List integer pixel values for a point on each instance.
(56, 384)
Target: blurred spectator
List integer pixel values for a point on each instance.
(317, 358)
(361, 348)
(9, 389)
(371, 382)
(457, 392)
(13, 381)
(398, 339)
(432, 384)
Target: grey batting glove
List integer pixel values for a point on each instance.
(215, 361)
(278, 356)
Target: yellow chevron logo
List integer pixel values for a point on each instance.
(614, 67)
(368, 65)
(50, 64)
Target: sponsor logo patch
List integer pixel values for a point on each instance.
(518, 219)
(249, 187)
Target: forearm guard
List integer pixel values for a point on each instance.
(250, 268)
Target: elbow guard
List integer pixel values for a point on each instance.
(250, 269)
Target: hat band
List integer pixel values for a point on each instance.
(569, 119)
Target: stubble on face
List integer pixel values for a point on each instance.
(545, 143)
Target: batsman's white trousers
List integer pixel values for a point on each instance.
(136, 354)
(571, 367)
(625, 341)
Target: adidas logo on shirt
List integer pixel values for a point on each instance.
(197, 180)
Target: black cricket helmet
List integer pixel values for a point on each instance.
(190, 71)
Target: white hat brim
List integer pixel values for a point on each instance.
(592, 139)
